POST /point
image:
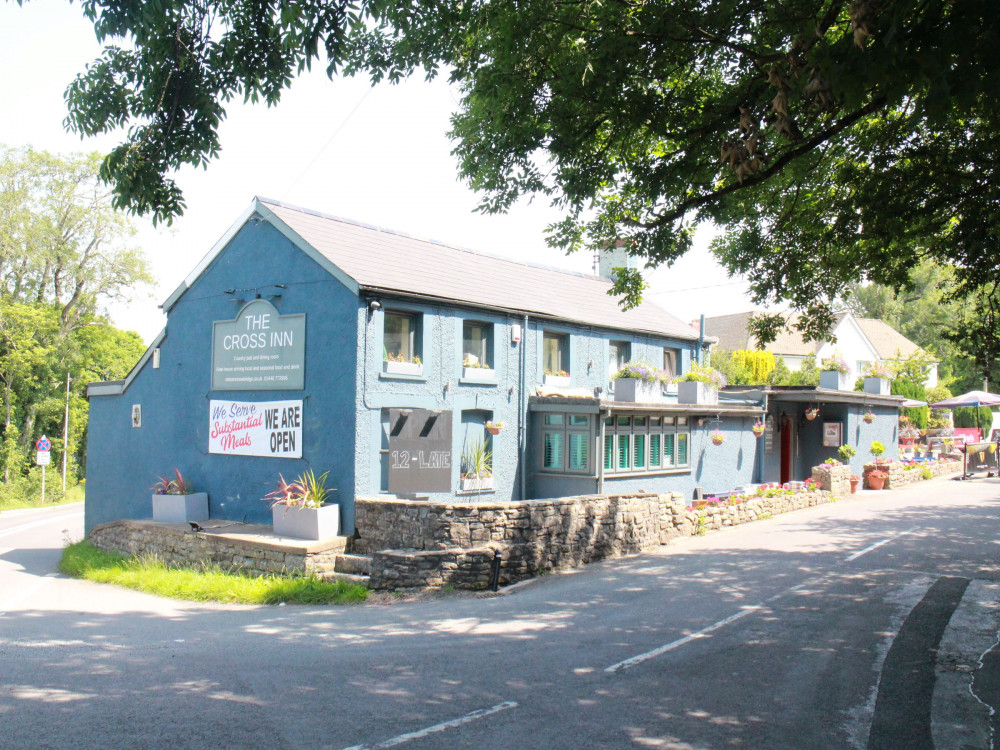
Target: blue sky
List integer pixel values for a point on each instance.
(378, 155)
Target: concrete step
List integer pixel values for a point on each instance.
(356, 564)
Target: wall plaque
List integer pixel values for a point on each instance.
(259, 351)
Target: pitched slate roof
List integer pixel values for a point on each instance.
(887, 341)
(732, 332)
(384, 261)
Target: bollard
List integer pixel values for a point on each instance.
(495, 572)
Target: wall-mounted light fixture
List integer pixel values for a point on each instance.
(373, 305)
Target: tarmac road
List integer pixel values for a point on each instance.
(870, 622)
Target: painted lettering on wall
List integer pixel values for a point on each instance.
(259, 351)
(243, 428)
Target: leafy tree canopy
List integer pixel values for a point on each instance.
(834, 140)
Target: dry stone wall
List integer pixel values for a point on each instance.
(901, 476)
(182, 548)
(834, 478)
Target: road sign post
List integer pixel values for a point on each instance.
(43, 458)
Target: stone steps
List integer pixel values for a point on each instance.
(356, 564)
(345, 577)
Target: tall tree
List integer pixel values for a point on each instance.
(64, 253)
(835, 140)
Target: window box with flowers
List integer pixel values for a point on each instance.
(878, 379)
(477, 372)
(700, 385)
(398, 365)
(638, 382)
(557, 378)
(174, 502)
(299, 509)
(835, 374)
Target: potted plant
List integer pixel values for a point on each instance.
(700, 385)
(855, 481)
(869, 417)
(299, 508)
(835, 374)
(476, 371)
(811, 413)
(558, 378)
(175, 502)
(639, 382)
(846, 452)
(876, 479)
(494, 427)
(477, 468)
(877, 449)
(877, 379)
(717, 437)
(397, 364)
(908, 435)
(758, 428)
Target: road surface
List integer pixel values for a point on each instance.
(866, 623)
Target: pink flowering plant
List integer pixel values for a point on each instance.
(708, 375)
(168, 486)
(836, 363)
(642, 371)
(305, 491)
(880, 370)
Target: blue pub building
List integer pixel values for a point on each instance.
(304, 341)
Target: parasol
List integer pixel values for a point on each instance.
(972, 398)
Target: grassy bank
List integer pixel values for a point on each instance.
(84, 560)
(26, 494)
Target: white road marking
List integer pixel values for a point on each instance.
(21, 596)
(866, 550)
(639, 659)
(43, 522)
(471, 716)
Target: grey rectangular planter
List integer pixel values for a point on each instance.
(835, 380)
(403, 368)
(476, 484)
(479, 374)
(877, 386)
(557, 381)
(180, 508)
(306, 523)
(694, 392)
(638, 391)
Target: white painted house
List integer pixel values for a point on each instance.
(859, 341)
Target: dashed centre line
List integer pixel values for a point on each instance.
(451, 724)
(875, 546)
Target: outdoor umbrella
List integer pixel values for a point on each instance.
(912, 403)
(972, 398)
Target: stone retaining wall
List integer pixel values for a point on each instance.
(454, 544)
(834, 478)
(182, 548)
(900, 476)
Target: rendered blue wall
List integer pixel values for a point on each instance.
(123, 462)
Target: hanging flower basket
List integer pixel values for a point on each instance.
(718, 438)
(494, 427)
(869, 417)
(811, 414)
(758, 428)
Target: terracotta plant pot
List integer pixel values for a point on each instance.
(758, 431)
(855, 481)
(876, 483)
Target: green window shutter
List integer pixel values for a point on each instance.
(682, 449)
(668, 450)
(609, 452)
(623, 452)
(553, 457)
(579, 447)
(654, 451)
(639, 452)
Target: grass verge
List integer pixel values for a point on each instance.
(212, 584)
(12, 498)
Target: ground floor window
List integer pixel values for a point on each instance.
(566, 441)
(637, 443)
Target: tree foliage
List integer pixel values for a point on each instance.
(834, 140)
(64, 253)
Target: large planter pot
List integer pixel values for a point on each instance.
(180, 508)
(835, 380)
(694, 392)
(476, 484)
(306, 523)
(479, 374)
(557, 381)
(876, 483)
(402, 368)
(877, 386)
(638, 391)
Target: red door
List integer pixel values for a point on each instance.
(786, 450)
